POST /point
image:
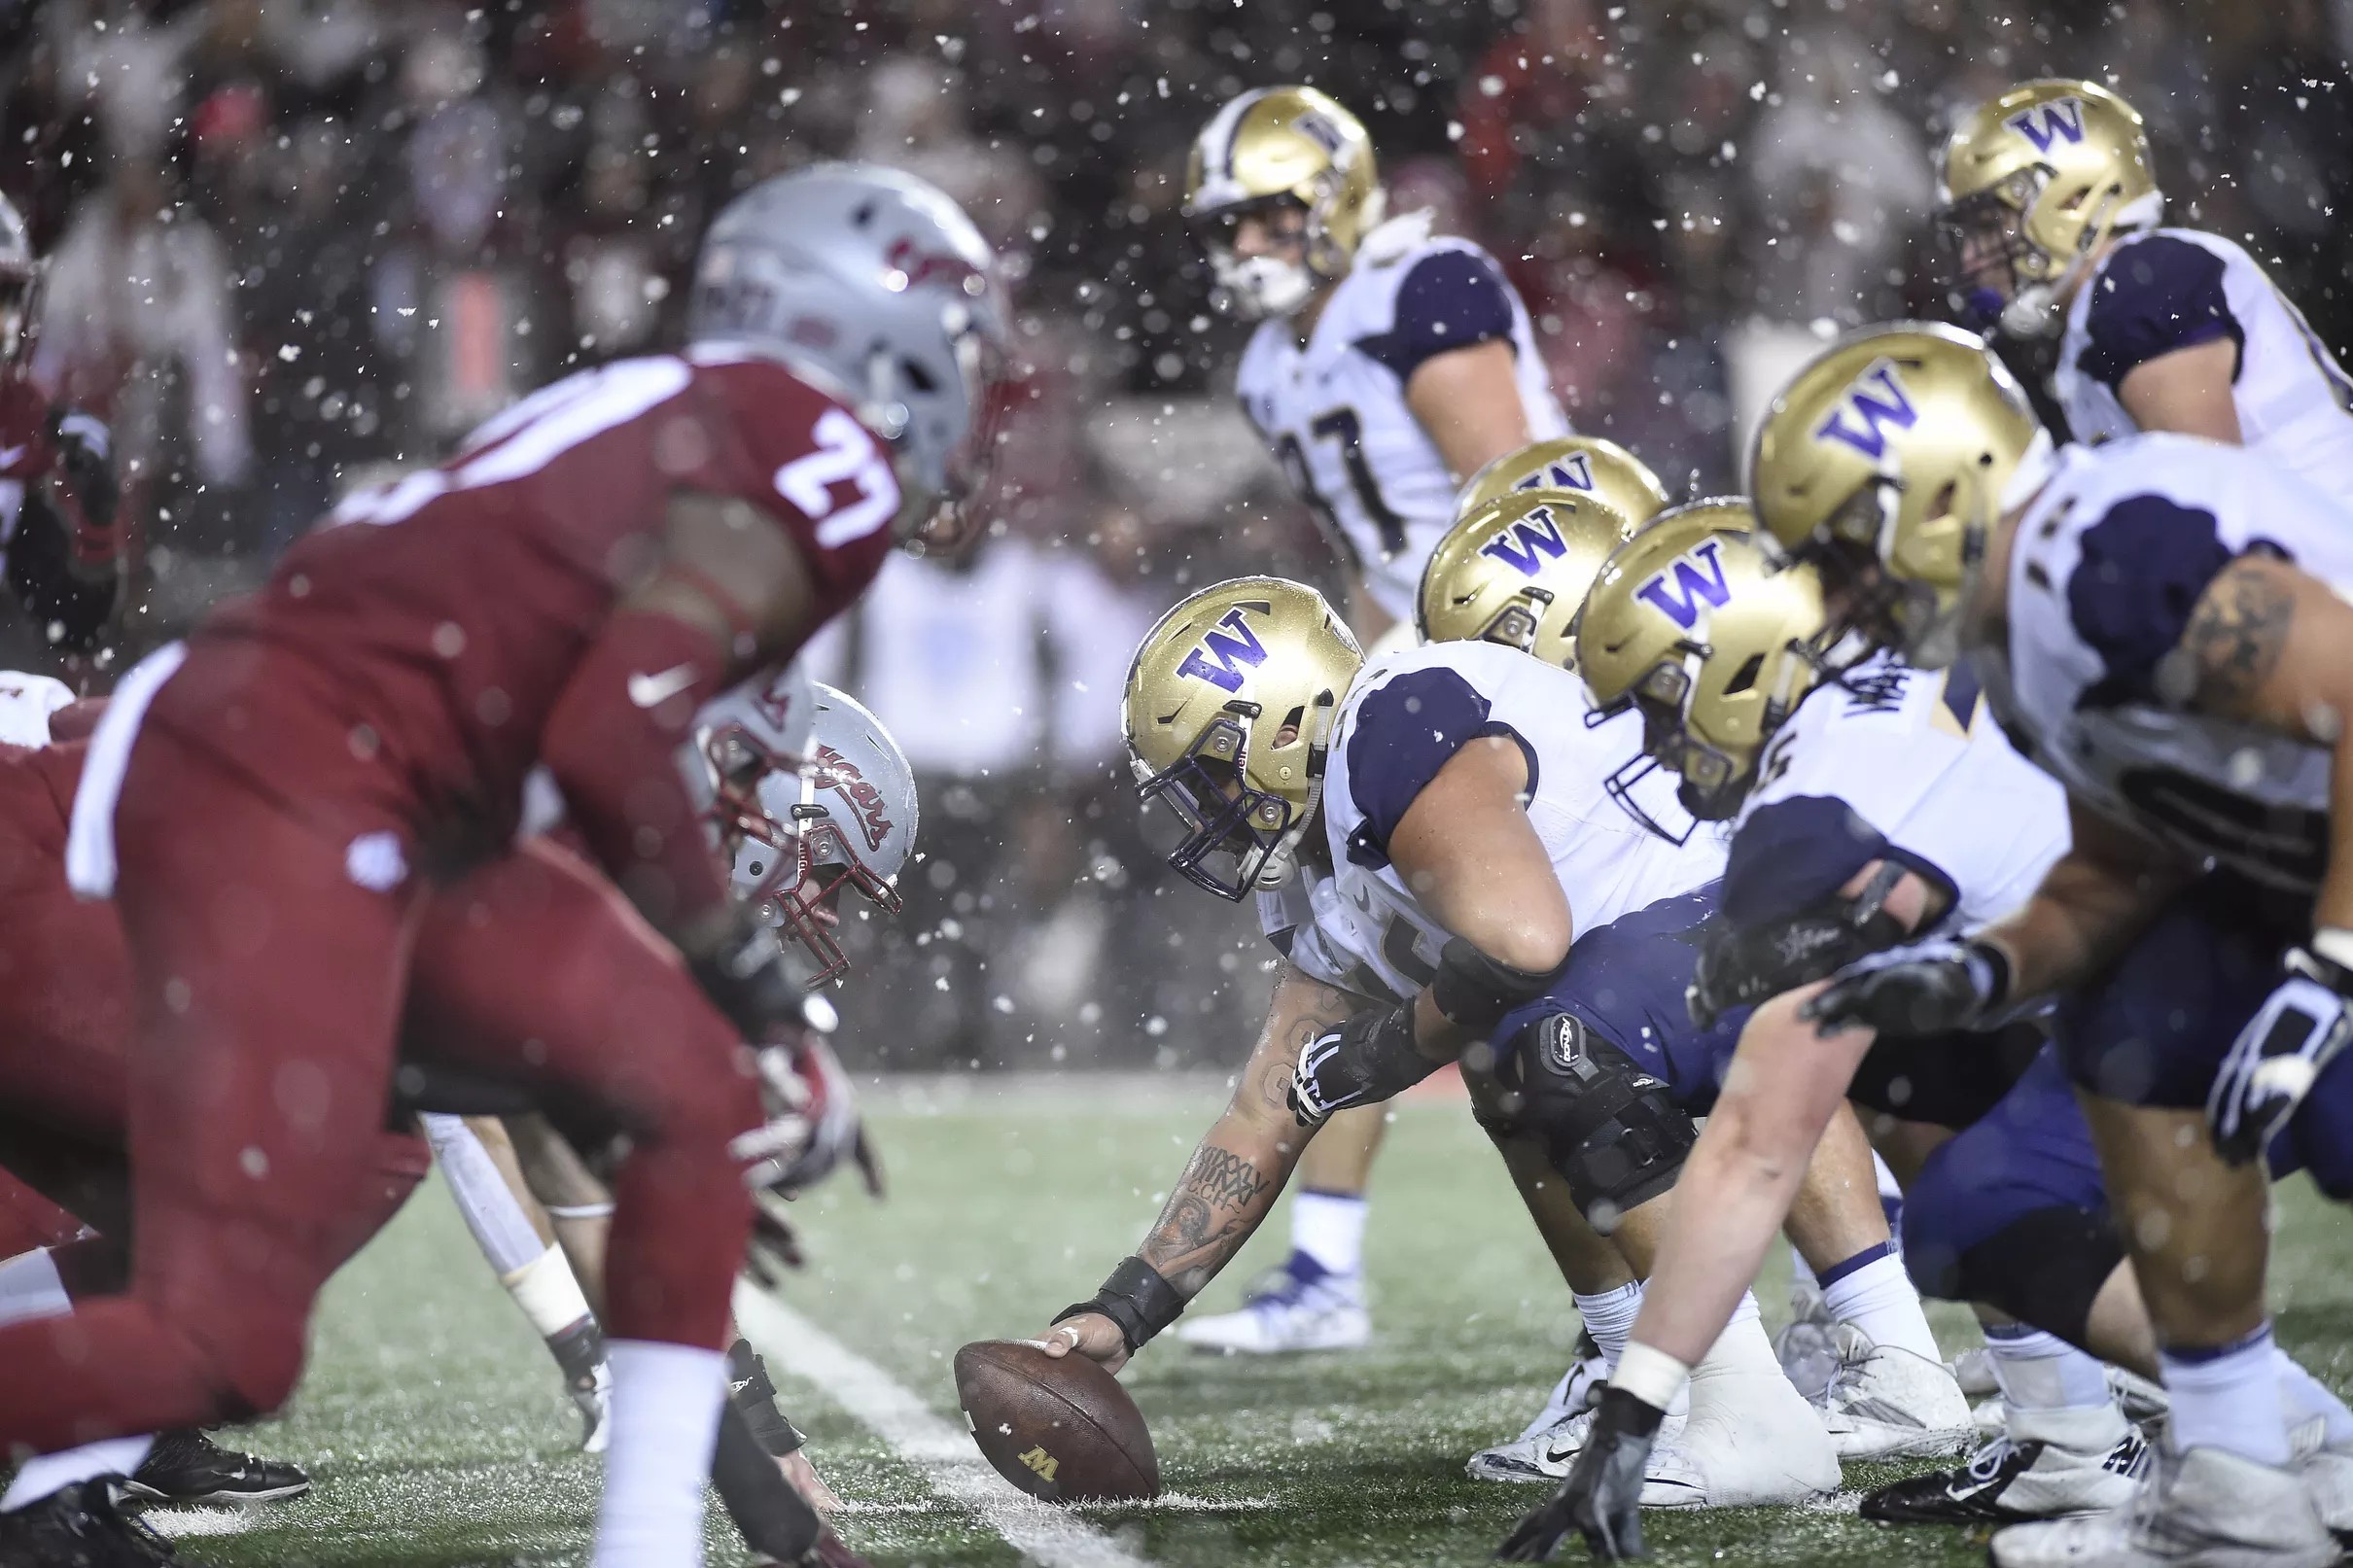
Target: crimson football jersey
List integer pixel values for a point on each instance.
(446, 610)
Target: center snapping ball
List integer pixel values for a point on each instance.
(1060, 1428)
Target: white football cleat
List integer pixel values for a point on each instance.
(1325, 1312)
(1753, 1439)
(2205, 1508)
(1885, 1404)
(2328, 1472)
(2048, 1465)
(1578, 1391)
(1669, 1480)
(1973, 1370)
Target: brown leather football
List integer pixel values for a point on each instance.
(1061, 1429)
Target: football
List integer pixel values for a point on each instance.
(1062, 1430)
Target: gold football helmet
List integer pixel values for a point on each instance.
(1281, 147)
(1228, 714)
(1886, 463)
(2031, 183)
(1515, 571)
(1700, 626)
(1582, 465)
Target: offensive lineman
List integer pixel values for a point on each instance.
(569, 590)
(1389, 368)
(2161, 617)
(1464, 771)
(2050, 220)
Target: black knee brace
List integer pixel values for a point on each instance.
(1607, 1126)
(2044, 1268)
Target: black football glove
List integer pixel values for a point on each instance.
(1929, 987)
(2273, 1064)
(1602, 1499)
(86, 461)
(774, 1249)
(1367, 1060)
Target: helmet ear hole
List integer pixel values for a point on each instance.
(917, 377)
(1745, 678)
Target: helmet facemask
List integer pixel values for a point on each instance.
(1257, 288)
(1236, 839)
(1872, 607)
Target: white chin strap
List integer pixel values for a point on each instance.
(1263, 286)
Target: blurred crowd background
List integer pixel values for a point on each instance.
(297, 244)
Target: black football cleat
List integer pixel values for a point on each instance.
(2012, 1482)
(81, 1527)
(187, 1467)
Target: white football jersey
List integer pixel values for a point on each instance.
(1357, 926)
(25, 703)
(2175, 287)
(1903, 764)
(2109, 561)
(1333, 409)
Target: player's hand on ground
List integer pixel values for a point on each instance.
(1929, 987)
(2279, 1056)
(805, 1480)
(1091, 1335)
(1602, 1499)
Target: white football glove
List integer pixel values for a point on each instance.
(2273, 1064)
(813, 1122)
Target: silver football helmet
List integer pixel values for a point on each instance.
(874, 280)
(19, 284)
(811, 800)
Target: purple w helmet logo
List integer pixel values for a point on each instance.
(1872, 405)
(1218, 659)
(1693, 578)
(1570, 472)
(2046, 124)
(1531, 540)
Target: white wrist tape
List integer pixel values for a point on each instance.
(1651, 1376)
(2333, 943)
(549, 1297)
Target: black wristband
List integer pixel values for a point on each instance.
(1477, 991)
(1136, 1297)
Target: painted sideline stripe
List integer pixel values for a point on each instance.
(1048, 1536)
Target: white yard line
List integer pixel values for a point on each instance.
(1048, 1536)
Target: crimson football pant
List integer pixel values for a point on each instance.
(268, 986)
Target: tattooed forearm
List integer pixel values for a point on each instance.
(2235, 637)
(1219, 1202)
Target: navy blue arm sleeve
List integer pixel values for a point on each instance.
(1404, 733)
(2155, 296)
(1451, 300)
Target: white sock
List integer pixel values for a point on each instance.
(500, 1226)
(1871, 1291)
(30, 1288)
(1610, 1318)
(1801, 1272)
(2042, 1372)
(2227, 1399)
(1329, 1228)
(2304, 1396)
(549, 1297)
(665, 1421)
(47, 1473)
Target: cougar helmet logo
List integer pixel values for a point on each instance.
(1874, 404)
(1693, 578)
(865, 801)
(1571, 473)
(1531, 538)
(921, 266)
(2059, 119)
(1219, 656)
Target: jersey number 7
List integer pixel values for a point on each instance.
(1343, 425)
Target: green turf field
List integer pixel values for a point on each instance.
(438, 1435)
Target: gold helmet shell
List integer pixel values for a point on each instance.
(1582, 465)
(1515, 571)
(1228, 715)
(1274, 145)
(1886, 461)
(2032, 183)
(1700, 625)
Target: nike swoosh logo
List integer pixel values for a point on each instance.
(654, 690)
